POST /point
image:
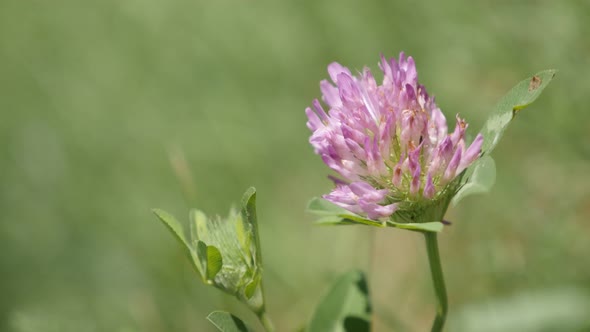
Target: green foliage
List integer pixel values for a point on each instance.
(346, 306)
(481, 175)
(95, 93)
(226, 322)
(519, 97)
(225, 252)
(251, 219)
(214, 262)
(173, 225)
(197, 261)
(331, 214)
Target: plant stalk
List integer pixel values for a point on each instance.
(265, 321)
(438, 281)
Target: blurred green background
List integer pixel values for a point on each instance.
(100, 100)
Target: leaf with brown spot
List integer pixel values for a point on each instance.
(519, 97)
(480, 176)
(535, 83)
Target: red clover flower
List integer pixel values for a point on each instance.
(389, 143)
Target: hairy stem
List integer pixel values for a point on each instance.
(438, 281)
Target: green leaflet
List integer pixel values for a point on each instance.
(214, 262)
(249, 216)
(173, 225)
(481, 175)
(226, 254)
(346, 306)
(224, 250)
(177, 230)
(433, 226)
(198, 225)
(519, 97)
(226, 322)
(331, 214)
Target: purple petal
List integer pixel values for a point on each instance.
(410, 68)
(453, 165)
(386, 69)
(314, 121)
(320, 111)
(337, 181)
(471, 154)
(415, 184)
(376, 211)
(348, 91)
(330, 94)
(356, 149)
(442, 156)
(367, 192)
(438, 126)
(335, 69)
(429, 190)
(343, 195)
(459, 132)
(414, 159)
(354, 208)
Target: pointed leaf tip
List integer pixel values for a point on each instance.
(178, 231)
(249, 206)
(173, 225)
(249, 216)
(520, 96)
(249, 195)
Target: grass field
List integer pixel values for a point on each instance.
(98, 97)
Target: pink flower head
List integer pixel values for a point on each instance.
(389, 142)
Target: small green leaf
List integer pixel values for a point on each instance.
(226, 322)
(361, 220)
(334, 221)
(434, 226)
(251, 287)
(332, 215)
(177, 230)
(244, 234)
(348, 219)
(198, 225)
(521, 96)
(249, 216)
(346, 307)
(214, 262)
(173, 225)
(480, 178)
(202, 258)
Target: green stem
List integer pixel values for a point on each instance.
(262, 315)
(438, 281)
(265, 320)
